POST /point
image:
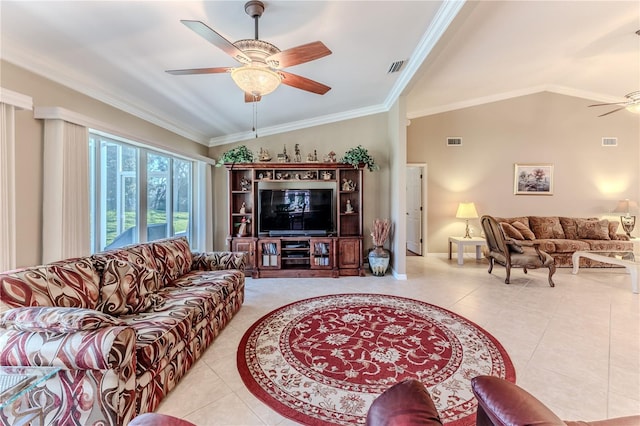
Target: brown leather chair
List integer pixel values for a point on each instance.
(511, 253)
(406, 403)
(502, 403)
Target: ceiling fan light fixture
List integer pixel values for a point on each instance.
(256, 80)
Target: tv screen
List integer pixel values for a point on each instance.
(295, 211)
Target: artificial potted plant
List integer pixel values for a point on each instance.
(359, 155)
(379, 256)
(239, 154)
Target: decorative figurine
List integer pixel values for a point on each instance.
(268, 175)
(327, 175)
(245, 184)
(242, 229)
(330, 157)
(243, 208)
(263, 155)
(283, 158)
(297, 158)
(348, 185)
(349, 207)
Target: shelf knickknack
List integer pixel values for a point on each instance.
(239, 154)
(359, 155)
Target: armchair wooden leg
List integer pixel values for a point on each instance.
(508, 268)
(552, 270)
(490, 264)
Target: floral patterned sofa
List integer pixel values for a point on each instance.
(124, 325)
(562, 236)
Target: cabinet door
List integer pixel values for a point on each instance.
(321, 253)
(349, 253)
(269, 253)
(248, 246)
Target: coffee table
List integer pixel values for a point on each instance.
(620, 258)
(14, 401)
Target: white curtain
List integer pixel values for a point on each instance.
(65, 215)
(203, 241)
(7, 188)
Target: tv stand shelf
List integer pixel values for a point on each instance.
(298, 252)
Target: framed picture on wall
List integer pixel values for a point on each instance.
(533, 179)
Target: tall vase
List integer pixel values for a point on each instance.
(379, 261)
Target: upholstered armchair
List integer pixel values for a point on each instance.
(510, 253)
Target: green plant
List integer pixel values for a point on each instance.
(359, 155)
(239, 154)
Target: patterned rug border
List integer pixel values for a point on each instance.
(285, 411)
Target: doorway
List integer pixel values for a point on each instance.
(416, 208)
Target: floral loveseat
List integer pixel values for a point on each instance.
(124, 325)
(562, 236)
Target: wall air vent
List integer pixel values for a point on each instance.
(396, 66)
(609, 141)
(454, 141)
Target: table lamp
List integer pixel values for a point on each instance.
(627, 220)
(467, 211)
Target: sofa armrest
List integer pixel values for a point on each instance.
(106, 348)
(219, 260)
(502, 403)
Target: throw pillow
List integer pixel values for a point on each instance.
(546, 227)
(511, 232)
(54, 319)
(593, 229)
(126, 288)
(524, 230)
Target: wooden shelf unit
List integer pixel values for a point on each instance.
(337, 254)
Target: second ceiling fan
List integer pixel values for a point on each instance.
(262, 62)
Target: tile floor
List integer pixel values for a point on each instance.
(576, 346)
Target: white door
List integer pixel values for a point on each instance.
(414, 209)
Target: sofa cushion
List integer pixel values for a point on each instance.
(524, 230)
(173, 257)
(568, 246)
(589, 229)
(546, 227)
(51, 319)
(609, 245)
(510, 231)
(613, 229)
(127, 288)
(66, 283)
(137, 254)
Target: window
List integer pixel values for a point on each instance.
(137, 194)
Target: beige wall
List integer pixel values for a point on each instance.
(370, 132)
(545, 128)
(29, 147)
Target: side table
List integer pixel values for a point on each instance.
(461, 242)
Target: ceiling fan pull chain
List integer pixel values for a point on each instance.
(255, 115)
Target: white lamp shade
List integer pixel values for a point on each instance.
(467, 211)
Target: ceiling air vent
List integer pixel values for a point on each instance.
(609, 141)
(454, 141)
(396, 66)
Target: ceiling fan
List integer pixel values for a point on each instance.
(262, 62)
(632, 104)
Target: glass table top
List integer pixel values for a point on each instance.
(16, 381)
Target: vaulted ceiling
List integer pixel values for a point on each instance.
(457, 54)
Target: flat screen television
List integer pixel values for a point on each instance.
(296, 211)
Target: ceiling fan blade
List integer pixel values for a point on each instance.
(298, 55)
(611, 103)
(248, 97)
(611, 112)
(217, 40)
(303, 83)
(200, 71)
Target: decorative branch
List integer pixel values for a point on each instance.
(380, 231)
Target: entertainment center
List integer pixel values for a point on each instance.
(297, 219)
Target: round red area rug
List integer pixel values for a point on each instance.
(324, 360)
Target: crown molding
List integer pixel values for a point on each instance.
(68, 77)
(441, 21)
(298, 125)
(16, 99)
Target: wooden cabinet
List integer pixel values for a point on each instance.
(299, 254)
